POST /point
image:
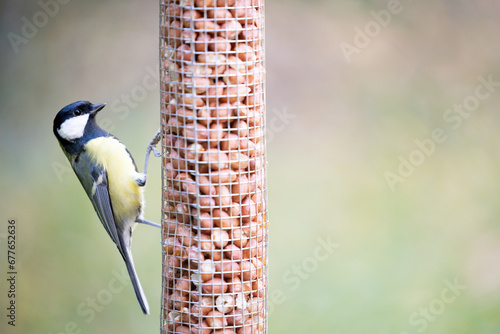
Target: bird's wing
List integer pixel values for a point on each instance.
(97, 190)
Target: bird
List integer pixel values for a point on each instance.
(109, 175)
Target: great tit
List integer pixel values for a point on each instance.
(109, 176)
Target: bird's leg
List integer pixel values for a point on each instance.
(152, 147)
(147, 222)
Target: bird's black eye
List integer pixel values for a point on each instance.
(78, 112)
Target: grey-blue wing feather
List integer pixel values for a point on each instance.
(96, 187)
(125, 241)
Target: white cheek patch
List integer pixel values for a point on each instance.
(73, 128)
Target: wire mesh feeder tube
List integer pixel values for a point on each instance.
(215, 227)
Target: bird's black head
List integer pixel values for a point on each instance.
(75, 124)
(76, 120)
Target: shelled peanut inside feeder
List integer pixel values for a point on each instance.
(215, 229)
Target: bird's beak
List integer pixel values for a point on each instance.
(97, 107)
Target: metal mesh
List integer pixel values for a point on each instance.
(215, 227)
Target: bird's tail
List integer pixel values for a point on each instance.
(141, 297)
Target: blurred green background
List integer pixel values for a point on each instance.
(336, 129)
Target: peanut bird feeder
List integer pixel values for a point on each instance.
(214, 222)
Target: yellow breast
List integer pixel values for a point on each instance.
(126, 196)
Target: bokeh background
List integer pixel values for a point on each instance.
(337, 126)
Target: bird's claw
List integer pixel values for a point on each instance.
(156, 139)
(152, 147)
(152, 144)
(155, 152)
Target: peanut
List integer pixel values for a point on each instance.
(224, 303)
(189, 16)
(235, 93)
(206, 187)
(236, 318)
(185, 115)
(204, 3)
(193, 132)
(184, 52)
(248, 271)
(206, 25)
(230, 29)
(220, 238)
(233, 77)
(239, 238)
(223, 176)
(182, 329)
(236, 286)
(207, 270)
(219, 44)
(223, 198)
(223, 220)
(205, 305)
(238, 160)
(227, 268)
(216, 319)
(245, 52)
(232, 253)
(248, 210)
(223, 110)
(250, 250)
(216, 159)
(222, 3)
(224, 331)
(219, 14)
(230, 142)
(202, 42)
(214, 286)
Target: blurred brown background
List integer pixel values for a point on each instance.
(383, 165)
